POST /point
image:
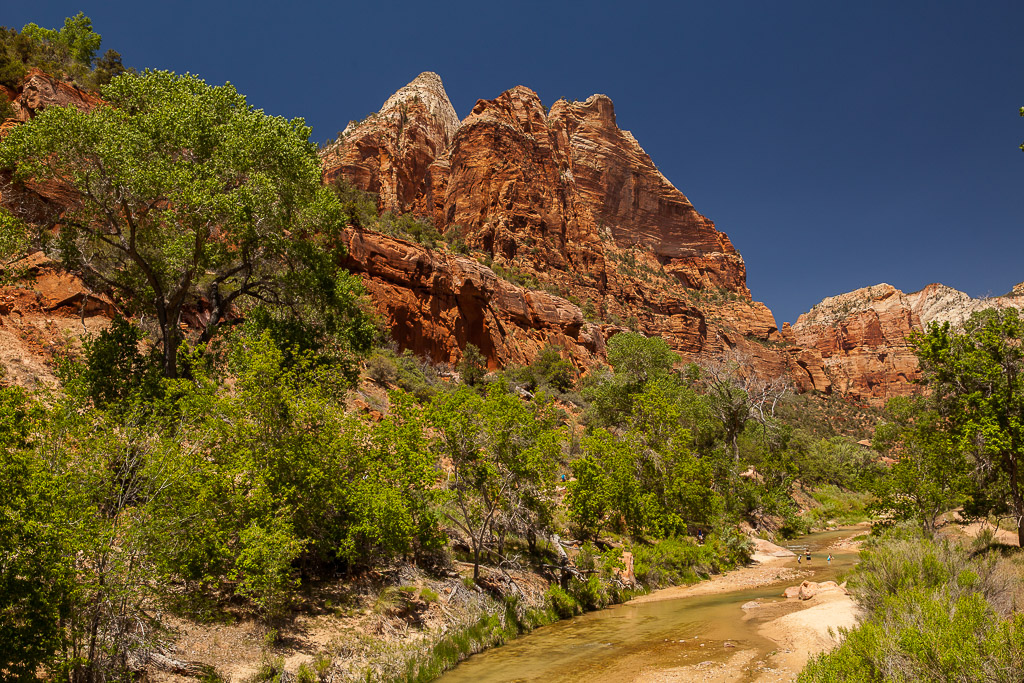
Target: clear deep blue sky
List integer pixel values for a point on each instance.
(838, 144)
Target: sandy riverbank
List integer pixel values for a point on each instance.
(799, 628)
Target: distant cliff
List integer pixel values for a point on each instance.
(862, 336)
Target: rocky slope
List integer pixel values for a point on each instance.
(862, 336)
(561, 198)
(44, 311)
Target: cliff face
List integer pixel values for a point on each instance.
(562, 198)
(563, 201)
(862, 336)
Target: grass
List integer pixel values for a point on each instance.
(838, 507)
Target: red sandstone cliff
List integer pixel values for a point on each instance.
(562, 196)
(862, 336)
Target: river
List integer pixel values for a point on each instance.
(630, 641)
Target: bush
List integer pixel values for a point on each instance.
(933, 614)
(589, 594)
(563, 604)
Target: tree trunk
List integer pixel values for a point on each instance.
(171, 339)
(1018, 501)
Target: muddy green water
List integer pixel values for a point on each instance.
(617, 643)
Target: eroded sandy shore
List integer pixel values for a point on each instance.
(799, 628)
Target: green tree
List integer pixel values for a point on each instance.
(976, 379)
(586, 500)
(502, 452)
(184, 195)
(931, 475)
(473, 365)
(36, 578)
(636, 360)
(640, 358)
(552, 370)
(73, 44)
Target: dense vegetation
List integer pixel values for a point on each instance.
(935, 611)
(196, 470)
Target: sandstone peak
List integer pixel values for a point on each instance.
(602, 105)
(562, 198)
(863, 336)
(429, 88)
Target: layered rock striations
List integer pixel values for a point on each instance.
(863, 336)
(562, 198)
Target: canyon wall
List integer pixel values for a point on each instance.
(561, 198)
(863, 336)
(573, 236)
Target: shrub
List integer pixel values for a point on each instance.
(562, 603)
(933, 614)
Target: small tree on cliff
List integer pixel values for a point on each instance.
(182, 193)
(977, 383)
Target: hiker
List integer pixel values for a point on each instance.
(808, 556)
(830, 558)
(798, 559)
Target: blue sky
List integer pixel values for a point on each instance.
(838, 144)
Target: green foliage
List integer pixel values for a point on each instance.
(68, 52)
(562, 603)
(14, 239)
(35, 579)
(587, 500)
(473, 365)
(976, 379)
(6, 109)
(263, 568)
(184, 193)
(548, 372)
(838, 506)
(933, 614)
(930, 476)
(411, 374)
(74, 43)
(359, 207)
(114, 373)
(677, 560)
(502, 452)
(640, 358)
(836, 461)
(552, 370)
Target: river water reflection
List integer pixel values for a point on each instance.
(618, 643)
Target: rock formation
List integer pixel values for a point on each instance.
(863, 336)
(561, 198)
(561, 201)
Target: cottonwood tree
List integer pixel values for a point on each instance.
(976, 380)
(502, 454)
(182, 195)
(931, 475)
